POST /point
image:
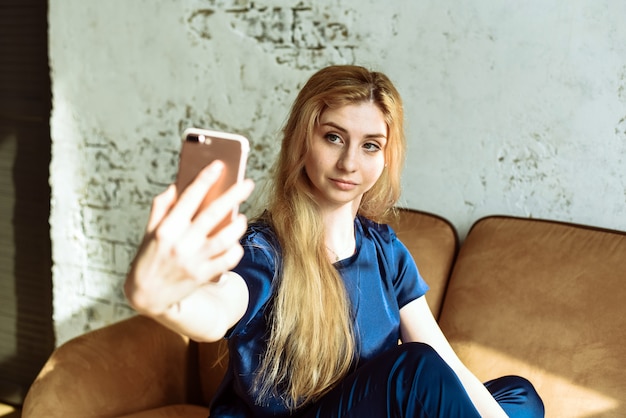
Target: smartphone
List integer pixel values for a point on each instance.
(199, 148)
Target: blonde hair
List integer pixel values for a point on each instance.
(311, 344)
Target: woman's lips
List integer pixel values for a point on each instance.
(343, 184)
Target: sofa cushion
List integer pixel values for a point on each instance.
(545, 300)
(173, 411)
(213, 361)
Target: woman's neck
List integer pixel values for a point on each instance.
(339, 233)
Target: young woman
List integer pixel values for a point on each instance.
(317, 294)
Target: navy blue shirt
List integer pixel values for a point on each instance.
(380, 278)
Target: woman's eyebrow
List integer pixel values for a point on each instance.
(343, 130)
(334, 125)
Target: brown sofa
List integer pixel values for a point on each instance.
(541, 299)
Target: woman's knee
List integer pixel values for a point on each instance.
(423, 360)
(425, 385)
(418, 350)
(517, 396)
(420, 353)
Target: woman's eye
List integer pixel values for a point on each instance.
(333, 138)
(371, 147)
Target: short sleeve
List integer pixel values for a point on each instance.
(408, 282)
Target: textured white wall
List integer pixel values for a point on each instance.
(511, 108)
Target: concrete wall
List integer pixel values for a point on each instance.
(513, 108)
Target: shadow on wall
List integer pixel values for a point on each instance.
(26, 280)
(26, 332)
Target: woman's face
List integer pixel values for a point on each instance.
(347, 155)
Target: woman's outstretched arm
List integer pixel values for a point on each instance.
(180, 275)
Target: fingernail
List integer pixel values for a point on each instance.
(250, 185)
(217, 165)
(215, 168)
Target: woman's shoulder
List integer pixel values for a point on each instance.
(260, 244)
(259, 231)
(375, 230)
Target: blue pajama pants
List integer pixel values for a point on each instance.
(412, 380)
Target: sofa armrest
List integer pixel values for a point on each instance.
(129, 366)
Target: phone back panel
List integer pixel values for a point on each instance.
(200, 148)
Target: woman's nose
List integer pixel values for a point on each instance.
(348, 160)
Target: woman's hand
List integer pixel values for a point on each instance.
(182, 248)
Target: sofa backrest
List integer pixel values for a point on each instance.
(432, 241)
(545, 300)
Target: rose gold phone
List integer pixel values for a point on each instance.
(201, 147)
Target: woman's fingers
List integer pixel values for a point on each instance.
(161, 205)
(212, 269)
(220, 208)
(206, 235)
(200, 239)
(186, 246)
(215, 255)
(226, 238)
(189, 201)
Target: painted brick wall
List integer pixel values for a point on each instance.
(511, 108)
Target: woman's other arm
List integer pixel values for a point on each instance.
(418, 325)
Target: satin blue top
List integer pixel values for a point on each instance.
(380, 277)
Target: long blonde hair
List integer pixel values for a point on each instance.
(311, 344)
